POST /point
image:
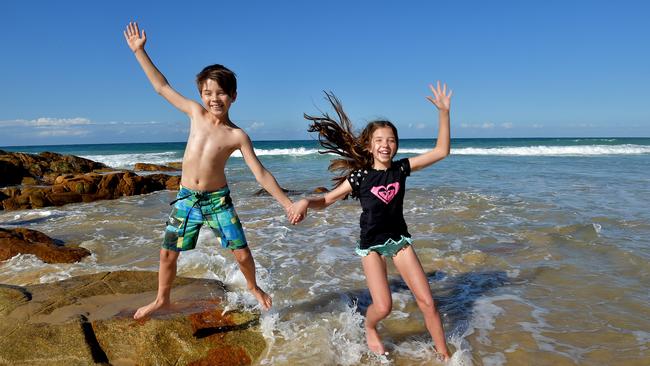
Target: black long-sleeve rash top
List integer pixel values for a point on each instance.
(381, 194)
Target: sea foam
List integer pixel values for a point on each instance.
(554, 150)
(127, 161)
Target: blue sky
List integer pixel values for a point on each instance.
(517, 68)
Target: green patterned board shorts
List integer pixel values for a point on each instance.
(389, 249)
(191, 209)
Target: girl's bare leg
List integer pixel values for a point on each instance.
(409, 267)
(166, 275)
(374, 266)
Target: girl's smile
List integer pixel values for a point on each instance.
(383, 146)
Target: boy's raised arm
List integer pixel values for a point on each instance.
(136, 42)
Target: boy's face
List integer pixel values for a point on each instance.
(215, 99)
(383, 145)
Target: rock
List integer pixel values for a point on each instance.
(11, 172)
(26, 241)
(176, 164)
(29, 181)
(12, 297)
(153, 167)
(212, 338)
(173, 183)
(88, 187)
(263, 192)
(61, 172)
(87, 320)
(320, 190)
(16, 167)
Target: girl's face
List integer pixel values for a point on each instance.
(383, 146)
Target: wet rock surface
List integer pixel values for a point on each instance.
(87, 320)
(146, 167)
(51, 179)
(26, 241)
(16, 168)
(85, 188)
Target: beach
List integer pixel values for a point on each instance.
(536, 251)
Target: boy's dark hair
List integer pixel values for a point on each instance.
(338, 137)
(222, 75)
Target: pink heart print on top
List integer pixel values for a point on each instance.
(386, 193)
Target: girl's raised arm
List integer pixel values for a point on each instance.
(442, 100)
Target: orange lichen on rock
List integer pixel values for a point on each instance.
(213, 318)
(224, 356)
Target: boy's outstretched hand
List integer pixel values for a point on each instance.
(133, 37)
(442, 100)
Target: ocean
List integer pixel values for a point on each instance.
(536, 250)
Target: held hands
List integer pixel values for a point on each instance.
(133, 38)
(442, 100)
(297, 211)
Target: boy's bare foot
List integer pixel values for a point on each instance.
(147, 310)
(374, 341)
(442, 356)
(262, 297)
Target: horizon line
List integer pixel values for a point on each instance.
(315, 139)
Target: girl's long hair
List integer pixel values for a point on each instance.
(337, 136)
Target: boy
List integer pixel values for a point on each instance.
(204, 194)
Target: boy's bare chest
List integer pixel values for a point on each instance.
(216, 138)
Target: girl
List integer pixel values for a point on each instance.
(370, 175)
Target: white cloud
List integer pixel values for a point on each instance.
(537, 125)
(419, 126)
(484, 126)
(46, 121)
(255, 126)
(582, 125)
(64, 132)
(507, 125)
(147, 123)
(48, 130)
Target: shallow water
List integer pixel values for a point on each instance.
(532, 260)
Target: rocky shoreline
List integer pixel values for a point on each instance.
(43, 168)
(87, 320)
(50, 179)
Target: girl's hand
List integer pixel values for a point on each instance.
(133, 38)
(298, 211)
(442, 100)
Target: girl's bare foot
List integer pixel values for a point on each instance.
(262, 297)
(374, 341)
(147, 310)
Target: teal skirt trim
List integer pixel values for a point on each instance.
(388, 249)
